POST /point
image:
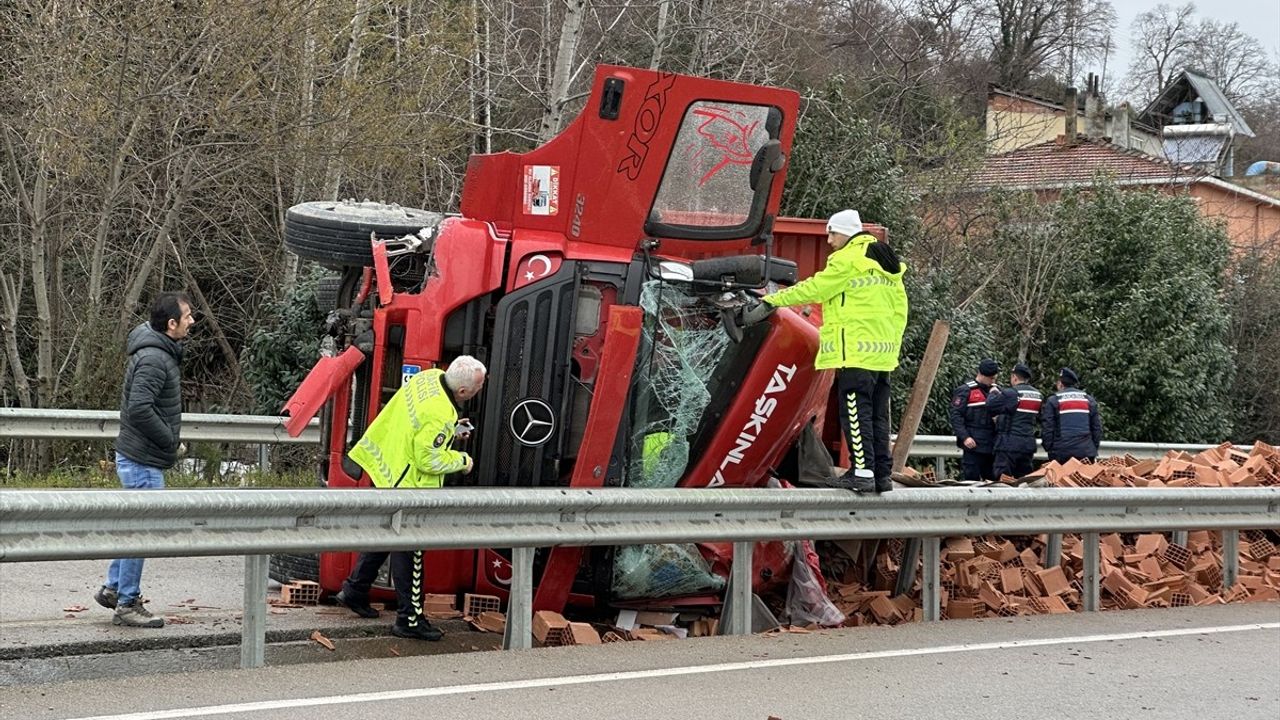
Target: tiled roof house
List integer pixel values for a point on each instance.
(1073, 158)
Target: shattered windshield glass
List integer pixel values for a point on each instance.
(682, 343)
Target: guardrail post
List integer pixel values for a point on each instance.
(1052, 550)
(253, 628)
(1090, 580)
(939, 467)
(740, 600)
(519, 630)
(1180, 537)
(930, 593)
(1230, 558)
(264, 458)
(907, 567)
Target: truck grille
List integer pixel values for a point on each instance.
(529, 367)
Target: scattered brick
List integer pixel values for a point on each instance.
(550, 627)
(1011, 580)
(1054, 581)
(581, 634)
(489, 621)
(1177, 555)
(473, 605)
(300, 592)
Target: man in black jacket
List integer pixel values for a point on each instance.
(1015, 410)
(1070, 424)
(150, 415)
(975, 433)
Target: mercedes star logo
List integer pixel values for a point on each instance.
(532, 422)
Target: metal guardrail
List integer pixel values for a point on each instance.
(45, 424)
(65, 524)
(268, 429)
(944, 446)
(55, 424)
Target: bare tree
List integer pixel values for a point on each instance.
(1234, 59)
(1162, 40)
(562, 70)
(1087, 38)
(1025, 36)
(1168, 40)
(10, 297)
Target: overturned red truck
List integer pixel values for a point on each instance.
(599, 278)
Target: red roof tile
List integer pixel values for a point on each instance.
(1054, 165)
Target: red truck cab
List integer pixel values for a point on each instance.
(599, 278)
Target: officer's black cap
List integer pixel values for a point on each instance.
(1022, 371)
(988, 367)
(1068, 376)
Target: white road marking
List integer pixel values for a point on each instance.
(293, 703)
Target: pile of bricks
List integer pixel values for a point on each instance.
(551, 629)
(994, 576)
(989, 576)
(1222, 466)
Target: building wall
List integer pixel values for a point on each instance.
(1013, 123)
(1250, 223)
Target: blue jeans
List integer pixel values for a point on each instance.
(125, 575)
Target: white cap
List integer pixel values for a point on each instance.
(845, 222)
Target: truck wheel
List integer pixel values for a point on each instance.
(327, 289)
(336, 234)
(285, 568)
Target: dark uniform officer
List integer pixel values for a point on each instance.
(971, 422)
(1015, 410)
(1070, 424)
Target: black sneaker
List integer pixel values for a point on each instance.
(135, 615)
(862, 485)
(359, 607)
(884, 485)
(106, 597)
(420, 630)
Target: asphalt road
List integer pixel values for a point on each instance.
(51, 630)
(1209, 662)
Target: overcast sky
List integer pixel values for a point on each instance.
(1259, 18)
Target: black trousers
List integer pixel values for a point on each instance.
(1012, 464)
(406, 576)
(977, 465)
(864, 418)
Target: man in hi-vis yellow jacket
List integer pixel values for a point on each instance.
(864, 314)
(408, 446)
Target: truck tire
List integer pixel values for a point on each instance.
(336, 234)
(327, 289)
(286, 568)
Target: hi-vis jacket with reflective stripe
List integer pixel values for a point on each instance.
(407, 445)
(864, 308)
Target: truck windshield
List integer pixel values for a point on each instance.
(706, 187)
(681, 345)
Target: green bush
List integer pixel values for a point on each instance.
(284, 346)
